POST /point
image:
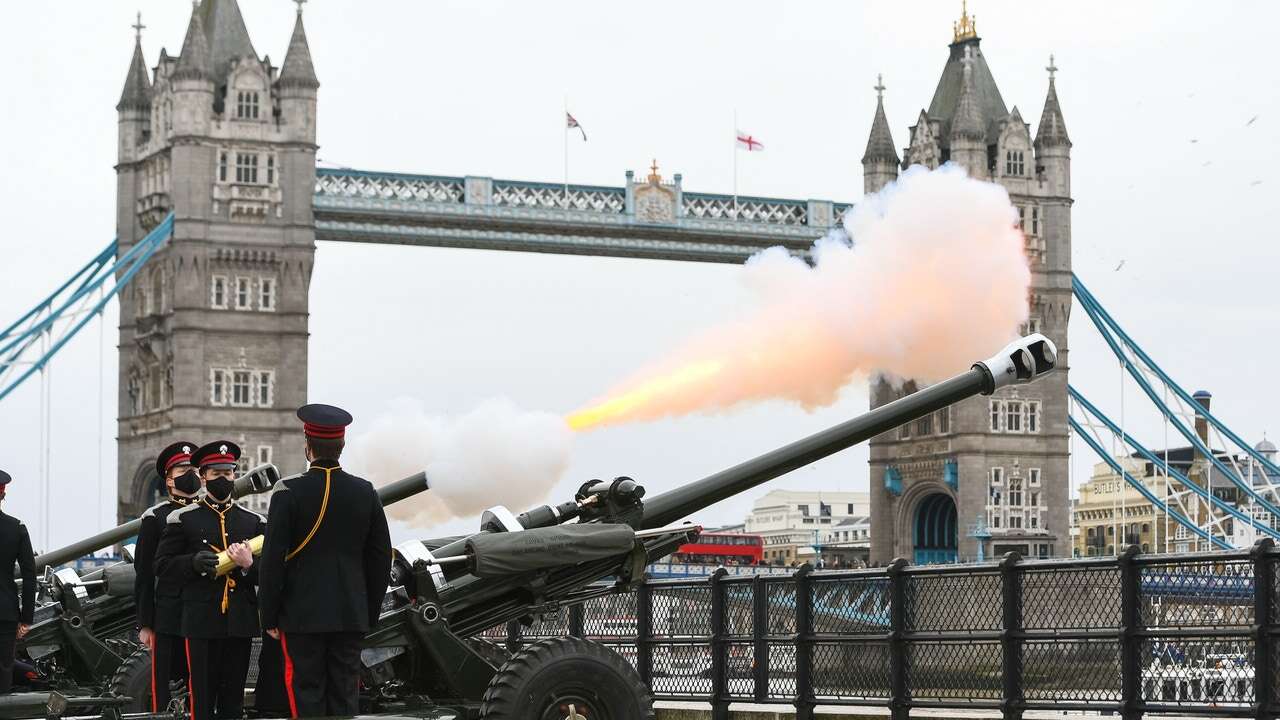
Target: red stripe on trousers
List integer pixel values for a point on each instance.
(288, 676)
(154, 709)
(191, 688)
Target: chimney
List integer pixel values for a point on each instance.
(1202, 398)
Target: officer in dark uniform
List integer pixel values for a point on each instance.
(325, 566)
(15, 618)
(219, 612)
(159, 604)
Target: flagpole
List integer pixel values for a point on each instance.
(735, 163)
(565, 126)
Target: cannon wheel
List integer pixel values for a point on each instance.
(133, 679)
(567, 679)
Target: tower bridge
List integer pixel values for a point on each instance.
(220, 203)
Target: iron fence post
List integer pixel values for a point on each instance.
(575, 621)
(1263, 616)
(644, 633)
(1011, 636)
(1131, 703)
(804, 643)
(899, 693)
(760, 631)
(719, 647)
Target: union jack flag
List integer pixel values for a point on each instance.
(571, 122)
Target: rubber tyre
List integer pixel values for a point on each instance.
(533, 683)
(133, 679)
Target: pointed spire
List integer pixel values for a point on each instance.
(1053, 129)
(297, 70)
(193, 62)
(880, 144)
(137, 84)
(968, 122)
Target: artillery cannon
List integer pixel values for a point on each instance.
(422, 654)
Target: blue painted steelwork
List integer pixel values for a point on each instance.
(893, 480)
(936, 530)
(1144, 490)
(951, 474)
(1103, 321)
(1204, 493)
(24, 334)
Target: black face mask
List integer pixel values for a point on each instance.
(219, 488)
(188, 482)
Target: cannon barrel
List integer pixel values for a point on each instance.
(257, 480)
(1019, 362)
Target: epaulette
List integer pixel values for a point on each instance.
(151, 511)
(251, 512)
(175, 516)
(280, 486)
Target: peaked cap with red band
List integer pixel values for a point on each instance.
(324, 422)
(178, 453)
(217, 454)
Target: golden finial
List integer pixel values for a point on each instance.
(654, 177)
(967, 28)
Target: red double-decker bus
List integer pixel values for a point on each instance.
(721, 549)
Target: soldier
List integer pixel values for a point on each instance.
(159, 604)
(15, 618)
(219, 613)
(325, 566)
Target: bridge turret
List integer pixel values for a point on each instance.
(192, 84)
(880, 161)
(134, 107)
(296, 87)
(1053, 146)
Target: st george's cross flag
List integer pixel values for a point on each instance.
(748, 142)
(571, 122)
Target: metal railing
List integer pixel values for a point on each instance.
(1134, 634)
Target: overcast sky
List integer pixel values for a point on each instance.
(1172, 108)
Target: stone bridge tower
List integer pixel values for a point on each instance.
(213, 332)
(999, 463)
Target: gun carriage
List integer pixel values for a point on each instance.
(423, 659)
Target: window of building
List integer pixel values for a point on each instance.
(135, 396)
(264, 388)
(242, 293)
(247, 105)
(1032, 325)
(264, 454)
(271, 169)
(904, 431)
(246, 168)
(1033, 416)
(1022, 216)
(849, 511)
(804, 510)
(807, 521)
(267, 294)
(1015, 492)
(240, 385)
(1013, 162)
(1013, 416)
(222, 166)
(997, 476)
(944, 421)
(1015, 521)
(995, 521)
(1035, 220)
(1033, 477)
(217, 387)
(924, 426)
(218, 292)
(1035, 499)
(996, 409)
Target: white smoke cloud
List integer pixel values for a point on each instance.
(494, 454)
(937, 278)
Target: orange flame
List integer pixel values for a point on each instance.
(620, 407)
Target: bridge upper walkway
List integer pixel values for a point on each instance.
(649, 218)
